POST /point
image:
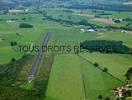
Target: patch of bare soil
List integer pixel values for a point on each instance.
(104, 20)
(129, 32)
(86, 15)
(100, 35)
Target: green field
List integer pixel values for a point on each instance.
(65, 81)
(71, 77)
(116, 63)
(96, 82)
(68, 68)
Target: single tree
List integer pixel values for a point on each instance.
(107, 98)
(105, 69)
(13, 59)
(100, 97)
(96, 64)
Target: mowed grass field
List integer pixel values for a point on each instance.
(97, 82)
(66, 80)
(26, 37)
(117, 64)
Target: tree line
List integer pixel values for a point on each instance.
(86, 23)
(25, 25)
(128, 74)
(62, 21)
(9, 71)
(105, 46)
(109, 7)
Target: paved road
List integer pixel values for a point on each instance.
(37, 61)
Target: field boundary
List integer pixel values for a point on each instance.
(83, 83)
(101, 69)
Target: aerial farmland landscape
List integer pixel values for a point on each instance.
(65, 49)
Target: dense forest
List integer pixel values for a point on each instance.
(4, 5)
(106, 46)
(25, 25)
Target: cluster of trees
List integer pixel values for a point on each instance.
(105, 46)
(127, 19)
(129, 74)
(100, 97)
(59, 20)
(9, 71)
(9, 90)
(25, 25)
(13, 43)
(24, 18)
(128, 27)
(104, 69)
(85, 22)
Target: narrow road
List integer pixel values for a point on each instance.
(37, 61)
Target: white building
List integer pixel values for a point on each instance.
(17, 10)
(10, 21)
(86, 30)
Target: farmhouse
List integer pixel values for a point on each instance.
(91, 30)
(87, 30)
(116, 20)
(17, 10)
(122, 91)
(10, 21)
(82, 30)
